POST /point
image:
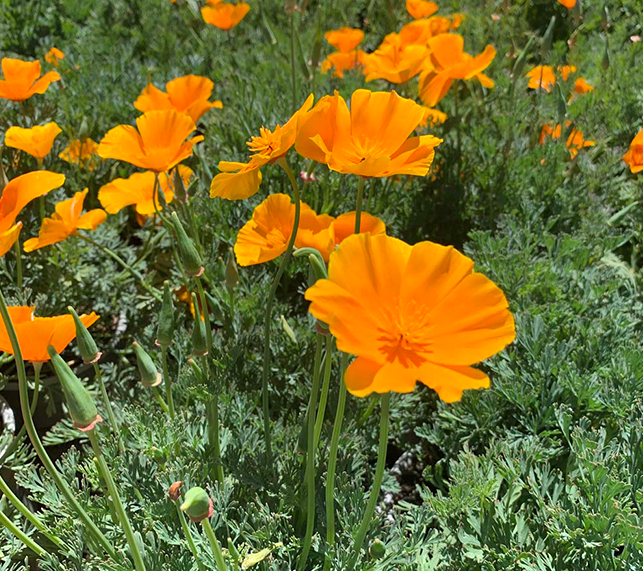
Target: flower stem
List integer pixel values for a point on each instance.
(358, 203)
(205, 312)
(6, 522)
(35, 439)
(168, 382)
(188, 537)
(328, 365)
(159, 399)
(213, 433)
(16, 248)
(214, 544)
(116, 500)
(108, 407)
(293, 74)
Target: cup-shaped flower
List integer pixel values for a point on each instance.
(371, 139)
(344, 39)
(86, 345)
(83, 153)
(22, 79)
(634, 156)
(421, 8)
(36, 141)
(397, 63)
(35, 334)
(189, 94)
(451, 62)
(410, 313)
(150, 377)
(225, 16)
(340, 62)
(241, 180)
(158, 143)
(197, 504)
(53, 56)
(66, 221)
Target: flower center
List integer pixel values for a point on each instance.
(266, 143)
(409, 336)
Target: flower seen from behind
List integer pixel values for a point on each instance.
(35, 141)
(22, 79)
(224, 16)
(421, 8)
(344, 39)
(397, 64)
(419, 32)
(340, 62)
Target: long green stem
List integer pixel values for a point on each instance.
(159, 399)
(70, 496)
(213, 434)
(168, 382)
(204, 311)
(293, 74)
(108, 407)
(188, 537)
(358, 203)
(328, 365)
(16, 248)
(6, 522)
(214, 544)
(116, 500)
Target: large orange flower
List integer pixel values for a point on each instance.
(22, 79)
(340, 62)
(371, 139)
(241, 180)
(158, 144)
(421, 8)
(16, 195)
(344, 39)
(224, 16)
(410, 313)
(36, 141)
(634, 156)
(35, 334)
(450, 62)
(138, 190)
(189, 94)
(67, 219)
(83, 153)
(395, 63)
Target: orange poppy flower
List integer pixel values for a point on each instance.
(569, 4)
(16, 195)
(224, 16)
(36, 141)
(343, 61)
(344, 226)
(432, 117)
(22, 79)
(53, 56)
(138, 190)
(450, 62)
(541, 76)
(241, 180)
(82, 153)
(396, 64)
(575, 140)
(410, 313)
(158, 144)
(344, 39)
(418, 32)
(566, 70)
(634, 156)
(421, 8)
(580, 87)
(370, 139)
(67, 219)
(188, 94)
(35, 334)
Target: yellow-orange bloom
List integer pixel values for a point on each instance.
(242, 180)
(16, 195)
(432, 117)
(83, 153)
(36, 141)
(35, 334)
(188, 94)
(395, 63)
(541, 76)
(158, 144)
(450, 62)
(53, 56)
(569, 4)
(67, 219)
(371, 139)
(421, 8)
(340, 62)
(344, 39)
(580, 87)
(634, 156)
(344, 226)
(418, 32)
(22, 79)
(566, 71)
(575, 140)
(410, 313)
(138, 190)
(224, 16)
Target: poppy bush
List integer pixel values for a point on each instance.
(322, 286)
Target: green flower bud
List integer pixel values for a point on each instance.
(79, 402)
(197, 504)
(547, 38)
(605, 63)
(179, 188)
(150, 377)
(165, 326)
(231, 272)
(377, 549)
(199, 339)
(191, 259)
(86, 344)
(233, 551)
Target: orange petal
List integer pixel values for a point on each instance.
(449, 382)
(235, 185)
(8, 238)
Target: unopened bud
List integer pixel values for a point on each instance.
(179, 188)
(197, 504)
(175, 491)
(605, 63)
(377, 549)
(231, 272)
(547, 38)
(189, 255)
(165, 327)
(199, 339)
(233, 551)
(86, 344)
(150, 377)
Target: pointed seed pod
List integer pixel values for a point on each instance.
(86, 344)
(197, 505)
(175, 491)
(191, 259)
(231, 272)
(199, 340)
(179, 188)
(79, 402)
(165, 326)
(150, 377)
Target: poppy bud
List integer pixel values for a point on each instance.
(377, 549)
(79, 402)
(233, 551)
(150, 377)
(195, 367)
(547, 38)
(197, 504)
(318, 266)
(605, 63)
(199, 339)
(175, 491)
(317, 47)
(179, 188)
(165, 326)
(86, 344)
(83, 132)
(191, 258)
(605, 18)
(561, 105)
(231, 272)
(288, 330)
(521, 60)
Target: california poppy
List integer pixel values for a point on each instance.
(53, 56)
(569, 4)
(224, 16)
(395, 63)
(372, 139)
(35, 334)
(432, 117)
(418, 32)
(634, 156)
(345, 39)
(158, 144)
(566, 70)
(410, 313)
(450, 62)
(83, 153)
(241, 180)
(36, 141)
(544, 76)
(189, 94)
(67, 219)
(340, 62)
(22, 79)
(580, 87)
(575, 140)
(344, 226)
(421, 8)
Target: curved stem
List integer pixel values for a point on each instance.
(16, 248)
(6, 522)
(168, 382)
(328, 365)
(108, 407)
(159, 399)
(205, 312)
(188, 537)
(214, 544)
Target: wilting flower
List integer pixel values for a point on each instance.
(340, 62)
(138, 190)
(53, 56)
(371, 139)
(580, 87)
(36, 141)
(83, 153)
(36, 333)
(22, 79)
(188, 94)
(432, 117)
(569, 4)
(634, 156)
(418, 32)
(344, 39)
(224, 16)
(396, 64)
(158, 144)
(67, 219)
(16, 195)
(241, 180)
(450, 62)
(575, 140)
(421, 8)
(410, 313)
